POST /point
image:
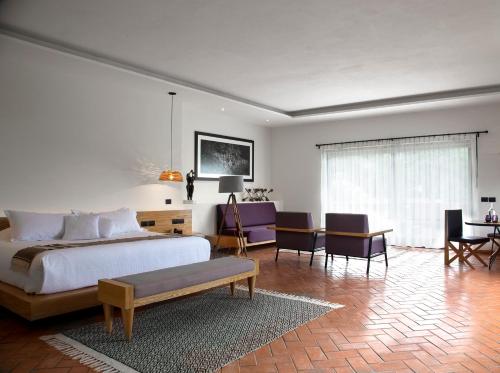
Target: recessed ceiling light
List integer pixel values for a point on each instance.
(222, 109)
(267, 120)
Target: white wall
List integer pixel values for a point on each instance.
(296, 161)
(217, 122)
(78, 134)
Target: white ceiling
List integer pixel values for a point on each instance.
(287, 54)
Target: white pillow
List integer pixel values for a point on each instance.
(33, 226)
(124, 220)
(106, 227)
(81, 227)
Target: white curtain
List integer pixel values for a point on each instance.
(404, 184)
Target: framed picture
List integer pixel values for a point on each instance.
(217, 155)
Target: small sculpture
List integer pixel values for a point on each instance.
(190, 176)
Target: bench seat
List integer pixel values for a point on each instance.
(162, 280)
(140, 289)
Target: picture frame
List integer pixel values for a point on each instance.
(217, 155)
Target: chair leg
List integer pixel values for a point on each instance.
(231, 287)
(446, 252)
(299, 252)
(473, 251)
(326, 260)
(313, 248)
(369, 255)
(385, 251)
(466, 248)
(277, 253)
(456, 252)
(346, 258)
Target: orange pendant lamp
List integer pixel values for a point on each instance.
(171, 174)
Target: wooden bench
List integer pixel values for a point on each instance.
(137, 290)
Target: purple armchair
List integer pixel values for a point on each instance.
(295, 231)
(348, 235)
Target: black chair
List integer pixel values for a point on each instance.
(467, 245)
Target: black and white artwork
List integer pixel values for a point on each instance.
(217, 155)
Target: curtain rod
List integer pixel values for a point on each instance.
(477, 133)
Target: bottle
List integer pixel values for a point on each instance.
(493, 217)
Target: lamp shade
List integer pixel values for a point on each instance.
(171, 175)
(230, 184)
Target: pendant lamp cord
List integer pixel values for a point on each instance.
(172, 130)
(171, 134)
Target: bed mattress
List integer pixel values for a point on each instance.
(68, 269)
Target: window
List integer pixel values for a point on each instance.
(405, 184)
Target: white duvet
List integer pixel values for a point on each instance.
(67, 269)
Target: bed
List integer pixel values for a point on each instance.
(61, 281)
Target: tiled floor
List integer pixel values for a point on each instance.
(416, 316)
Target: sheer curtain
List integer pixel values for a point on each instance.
(404, 184)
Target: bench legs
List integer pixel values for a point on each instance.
(127, 316)
(108, 317)
(251, 285)
(128, 321)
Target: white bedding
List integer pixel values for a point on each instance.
(67, 269)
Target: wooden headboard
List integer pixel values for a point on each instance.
(166, 221)
(4, 223)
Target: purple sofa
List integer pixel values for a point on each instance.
(255, 218)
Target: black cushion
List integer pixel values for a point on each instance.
(473, 240)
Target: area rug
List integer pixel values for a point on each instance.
(201, 333)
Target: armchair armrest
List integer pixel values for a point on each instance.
(355, 234)
(297, 230)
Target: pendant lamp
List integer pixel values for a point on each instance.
(171, 174)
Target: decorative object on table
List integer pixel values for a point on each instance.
(492, 214)
(257, 194)
(171, 174)
(217, 155)
(221, 329)
(231, 185)
(190, 176)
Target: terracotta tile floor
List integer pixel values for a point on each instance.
(417, 316)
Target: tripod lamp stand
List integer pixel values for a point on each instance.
(231, 185)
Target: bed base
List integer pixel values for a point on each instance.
(34, 307)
